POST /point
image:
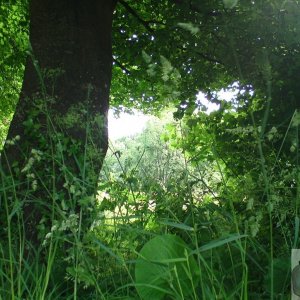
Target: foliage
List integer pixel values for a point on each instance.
(213, 196)
(220, 219)
(13, 44)
(165, 267)
(217, 202)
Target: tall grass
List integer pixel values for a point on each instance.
(97, 261)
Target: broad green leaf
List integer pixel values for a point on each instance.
(164, 265)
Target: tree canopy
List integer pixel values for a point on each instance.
(182, 47)
(165, 53)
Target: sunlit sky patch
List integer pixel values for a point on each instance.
(126, 124)
(131, 124)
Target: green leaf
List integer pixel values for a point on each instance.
(81, 274)
(147, 58)
(189, 27)
(164, 267)
(296, 119)
(219, 242)
(229, 4)
(108, 250)
(177, 225)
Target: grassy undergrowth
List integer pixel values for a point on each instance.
(198, 233)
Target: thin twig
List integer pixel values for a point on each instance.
(120, 65)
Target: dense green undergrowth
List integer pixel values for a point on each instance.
(163, 225)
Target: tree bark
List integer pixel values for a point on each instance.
(61, 117)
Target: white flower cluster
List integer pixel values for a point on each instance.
(13, 140)
(70, 223)
(74, 187)
(31, 176)
(36, 155)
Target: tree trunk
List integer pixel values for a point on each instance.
(61, 117)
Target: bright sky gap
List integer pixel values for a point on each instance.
(131, 124)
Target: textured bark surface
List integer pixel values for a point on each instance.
(64, 98)
(74, 39)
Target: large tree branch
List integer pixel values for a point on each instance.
(205, 56)
(196, 8)
(209, 58)
(135, 14)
